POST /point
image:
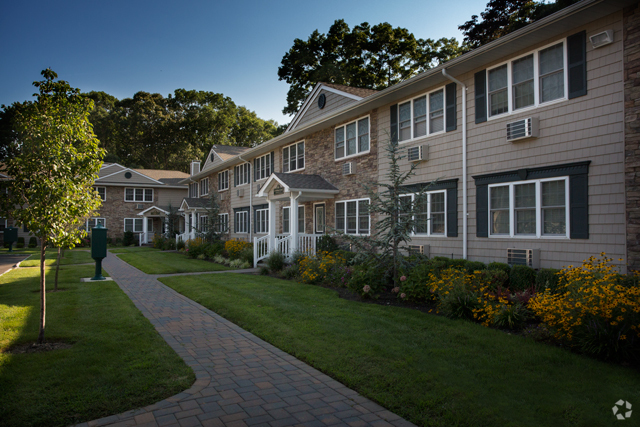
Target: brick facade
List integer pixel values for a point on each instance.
(115, 209)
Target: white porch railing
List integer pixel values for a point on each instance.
(283, 245)
(260, 249)
(185, 236)
(307, 243)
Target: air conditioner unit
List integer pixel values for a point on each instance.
(241, 192)
(521, 129)
(349, 168)
(528, 257)
(139, 206)
(419, 249)
(223, 196)
(418, 153)
(601, 39)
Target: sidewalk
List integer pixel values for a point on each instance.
(240, 379)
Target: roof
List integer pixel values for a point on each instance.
(161, 175)
(225, 152)
(298, 181)
(193, 203)
(361, 92)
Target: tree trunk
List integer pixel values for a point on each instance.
(43, 290)
(55, 287)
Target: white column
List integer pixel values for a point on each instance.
(272, 225)
(293, 222)
(145, 226)
(194, 224)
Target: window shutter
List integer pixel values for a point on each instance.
(452, 212)
(579, 206)
(480, 85)
(452, 113)
(482, 211)
(273, 160)
(255, 168)
(577, 60)
(255, 220)
(235, 176)
(393, 132)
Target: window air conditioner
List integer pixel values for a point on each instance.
(521, 129)
(349, 168)
(528, 257)
(241, 192)
(418, 153)
(139, 206)
(601, 39)
(419, 249)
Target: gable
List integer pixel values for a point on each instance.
(127, 176)
(213, 159)
(311, 111)
(110, 169)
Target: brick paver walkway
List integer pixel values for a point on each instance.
(240, 379)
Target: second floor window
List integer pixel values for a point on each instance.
(193, 190)
(262, 166)
(223, 180)
(293, 157)
(102, 193)
(241, 174)
(138, 195)
(204, 187)
(421, 116)
(352, 138)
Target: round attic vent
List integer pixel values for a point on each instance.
(127, 175)
(212, 157)
(322, 100)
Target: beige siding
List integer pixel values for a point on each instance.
(104, 171)
(170, 197)
(334, 102)
(119, 178)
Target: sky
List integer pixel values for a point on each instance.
(229, 47)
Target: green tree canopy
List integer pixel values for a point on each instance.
(373, 57)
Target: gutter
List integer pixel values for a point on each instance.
(464, 162)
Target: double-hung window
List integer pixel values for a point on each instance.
(133, 224)
(352, 138)
(204, 186)
(421, 116)
(429, 212)
(102, 193)
(242, 222)
(3, 224)
(241, 174)
(529, 208)
(527, 81)
(262, 221)
(138, 194)
(193, 190)
(262, 166)
(93, 222)
(223, 223)
(293, 157)
(286, 219)
(223, 180)
(352, 216)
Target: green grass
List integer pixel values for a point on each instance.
(124, 250)
(168, 263)
(70, 257)
(118, 361)
(428, 369)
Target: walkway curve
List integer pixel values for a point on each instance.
(241, 380)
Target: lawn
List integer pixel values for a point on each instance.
(117, 362)
(168, 263)
(70, 257)
(430, 370)
(128, 249)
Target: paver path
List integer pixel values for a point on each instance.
(241, 380)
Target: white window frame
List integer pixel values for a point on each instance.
(135, 190)
(304, 155)
(133, 225)
(536, 81)
(344, 230)
(344, 127)
(193, 190)
(240, 223)
(539, 226)
(223, 180)
(204, 186)
(262, 221)
(104, 191)
(242, 174)
(260, 172)
(223, 222)
(428, 194)
(203, 221)
(287, 208)
(91, 222)
(428, 114)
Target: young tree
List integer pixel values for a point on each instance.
(57, 160)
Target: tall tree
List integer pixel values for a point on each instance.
(56, 161)
(366, 56)
(502, 17)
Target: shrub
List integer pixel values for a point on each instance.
(169, 245)
(494, 279)
(239, 264)
(201, 257)
(457, 292)
(20, 243)
(118, 241)
(128, 239)
(275, 261)
(219, 259)
(235, 247)
(472, 266)
(264, 270)
(314, 269)
(180, 245)
(196, 247)
(297, 257)
(109, 241)
(522, 277)
(326, 243)
(246, 255)
(158, 241)
(511, 316)
(33, 242)
(367, 281)
(348, 256)
(500, 266)
(290, 272)
(339, 275)
(547, 278)
(214, 249)
(415, 288)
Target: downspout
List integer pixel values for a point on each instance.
(250, 197)
(464, 161)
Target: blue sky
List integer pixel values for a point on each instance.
(229, 47)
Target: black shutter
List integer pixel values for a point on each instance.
(452, 212)
(393, 132)
(235, 176)
(579, 206)
(273, 164)
(255, 167)
(577, 52)
(451, 102)
(480, 85)
(482, 211)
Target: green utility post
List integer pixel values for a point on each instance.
(10, 236)
(98, 249)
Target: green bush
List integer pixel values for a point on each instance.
(264, 270)
(196, 247)
(33, 242)
(367, 281)
(214, 249)
(472, 266)
(180, 245)
(290, 272)
(20, 243)
(326, 243)
(246, 255)
(522, 277)
(547, 278)
(169, 245)
(128, 239)
(109, 241)
(500, 266)
(297, 257)
(415, 287)
(158, 241)
(511, 316)
(118, 241)
(495, 279)
(275, 261)
(348, 256)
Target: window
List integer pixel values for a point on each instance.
(241, 174)
(286, 219)
(138, 194)
(529, 208)
(242, 222)
(93, 222)
(102, 192)
(430, 212)
(421, 116)
(352, 138)
(530, 80)
(223, 223)
(204, 186)
(262, 166)
(262, 221)
(193, 190)
(204, 223)
(3, 224)
(133, 224)
(293, 157)
(223, 180)
(352, 216)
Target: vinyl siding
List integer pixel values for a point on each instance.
(334, 102)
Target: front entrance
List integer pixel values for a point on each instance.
(319, 218)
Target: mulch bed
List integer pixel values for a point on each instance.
(37, 348)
